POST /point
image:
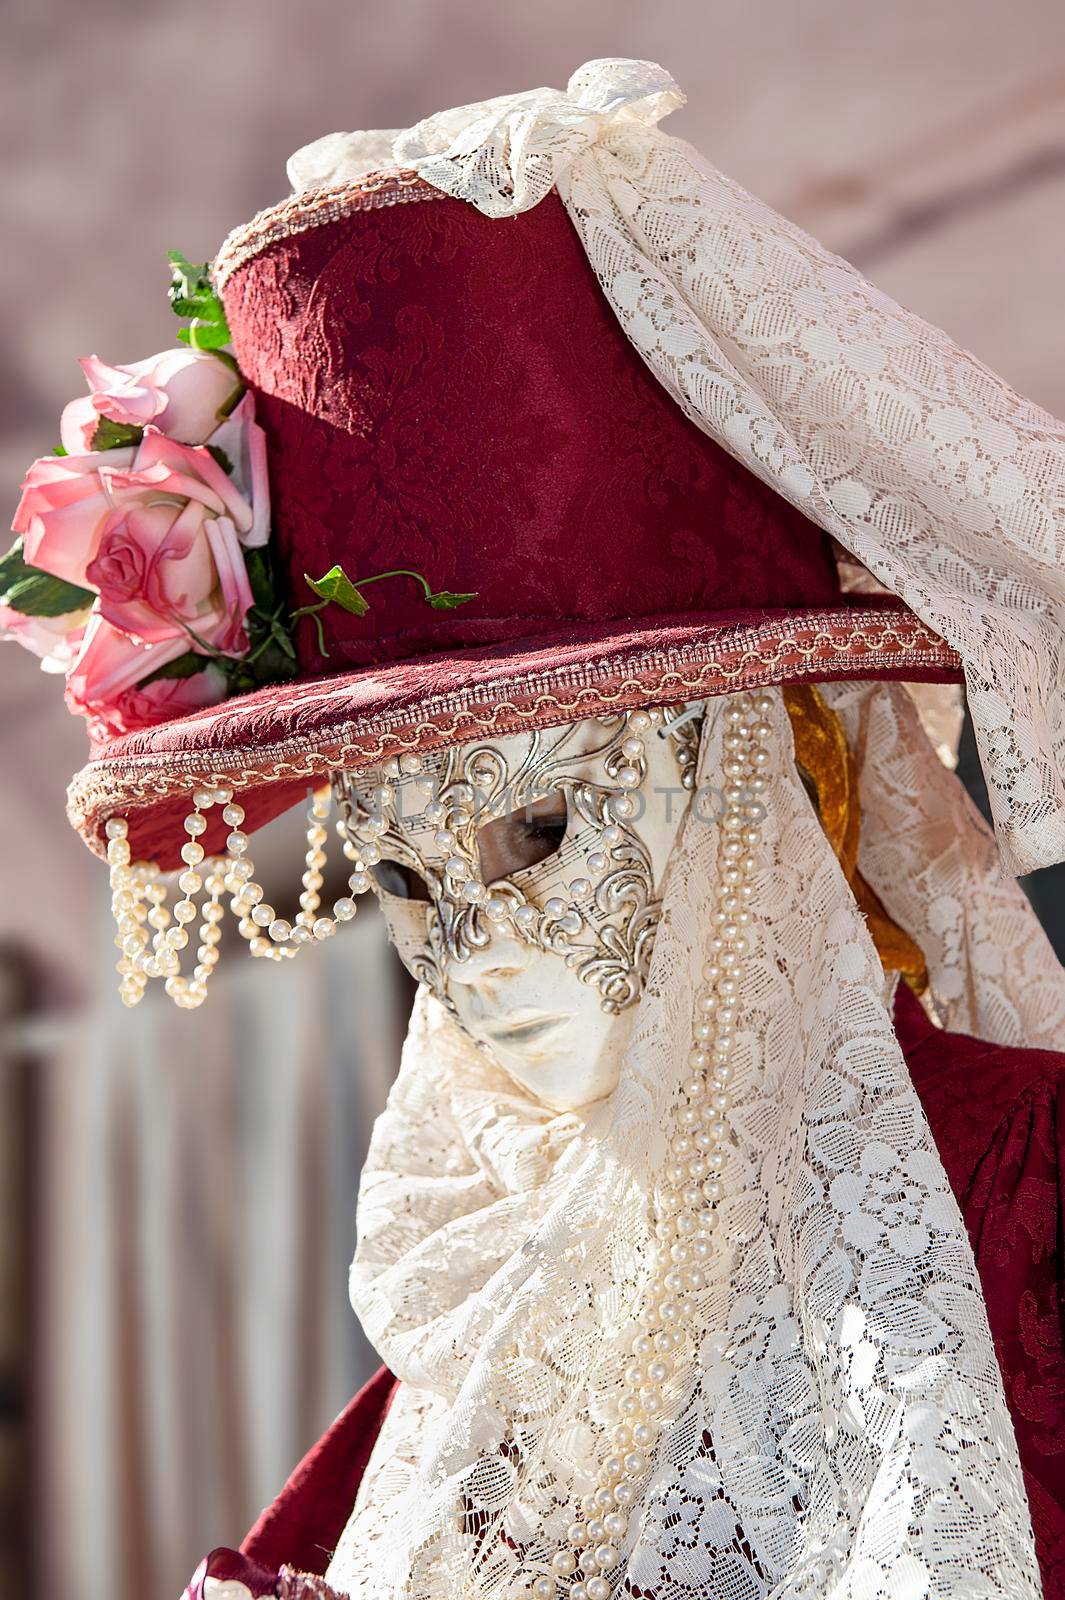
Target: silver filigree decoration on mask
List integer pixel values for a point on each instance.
(425, 814)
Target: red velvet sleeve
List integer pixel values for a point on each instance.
(998, 1118)
(302, 1526)
(290, 1545)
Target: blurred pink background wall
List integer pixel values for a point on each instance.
(924, 141)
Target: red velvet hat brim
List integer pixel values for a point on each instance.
(271, 746)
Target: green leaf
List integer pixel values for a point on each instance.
(185, 666)
(270, 659)
(271, 654)
(58, 450)
(337, 587)
(192, 295)
(261, 577)
(115, 435)
(12, 566)
(39, 594)
(222, 459)
(281, 639)
(36, 593)
(202, 334)
(190, 281)
(267, 631)
(274, 665)
(444, 600)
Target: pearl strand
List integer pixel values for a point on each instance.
(136, 887)
(129, 888)
(689, 1199)
(360, 830)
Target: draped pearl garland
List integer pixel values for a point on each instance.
(137, 885)
(687, 1203)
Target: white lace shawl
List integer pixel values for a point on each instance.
(949, 487)
(846, 1433)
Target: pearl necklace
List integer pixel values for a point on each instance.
(688, 1201)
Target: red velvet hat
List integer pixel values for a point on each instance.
(451, 394)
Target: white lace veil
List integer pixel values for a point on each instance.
(846, 1432)
(949, 487)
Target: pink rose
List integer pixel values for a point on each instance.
(169, 562)
(181, 392)
(108, 662)
(104, 682)
(149, 703)
(244, 442)
(64, 504)
(54, 639)
(158, 532)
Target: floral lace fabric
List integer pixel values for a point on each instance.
(996, 1112)
(944, 483)
(932, 859)
(843, 1431)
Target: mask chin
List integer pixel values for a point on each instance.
(546, 1029)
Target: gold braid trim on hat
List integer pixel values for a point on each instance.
(750, 657)
(316, 208)
(829, 771)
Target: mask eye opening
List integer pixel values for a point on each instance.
(399, 881)
(523, 837)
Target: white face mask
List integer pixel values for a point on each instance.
(520, 880)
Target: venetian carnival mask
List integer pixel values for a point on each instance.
(519, 879)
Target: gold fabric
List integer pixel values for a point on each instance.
(828, 769)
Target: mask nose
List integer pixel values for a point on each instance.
(500, 959)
